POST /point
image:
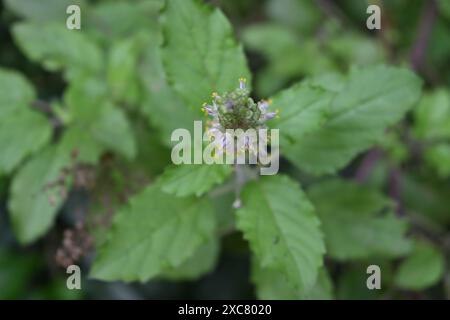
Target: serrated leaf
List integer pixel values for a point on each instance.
(373, 99)
(154, 233)
(200, 52)
(280, 224)
(355, 222)
(186, 180)
(22, 130)
(422, 269)
(304, 109)
(162, 106)
(58, 48)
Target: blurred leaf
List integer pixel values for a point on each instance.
(432, 116)
(432, 123)
(79, 141)
(438, 157)
(200, 52)
(22, 131)
(270, 39)
(43, 11)
(422, 269)
(427, 199)
(15, 92)
(186, 180)
(274, 285)
(154, 233)
(122, 68)
(373, 99)
(352, 282)
(16, 272)
(280, 224)
(302, 15)
(31, 211)
(90, 110)
(354, 48)
(22, 134)
(58, 48)
(111, 20)
(395, 148)
(288, 57)
(444, 8)
(355, 223)
(113, 130)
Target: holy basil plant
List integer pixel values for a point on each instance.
(158, 72)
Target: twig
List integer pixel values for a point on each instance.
(42, 106)
(394, 189)
(331, 10)
(46, 108)
(423, 35)
(367, 165)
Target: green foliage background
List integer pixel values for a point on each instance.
(85, 173)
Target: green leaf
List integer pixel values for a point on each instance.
(427, 200)
(22, 130)
(113, 130)
(272, 285)
(280, 224)
(31, 211)
(303, 15)
(90, 109)
(373, 99)
(202, 261)
(432, 116)
(154, 233)
(304, 109)
(43, 10)
(58, 48)
(16, 273)
(200, 52)
(438, 157)
(15, 92)
(186, 180)
(111, 20)
(122, 68)
(76, 139)
(355, 222)
(21, 134)
(162, 106)
(422, 269)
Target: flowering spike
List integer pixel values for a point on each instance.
(235, 110)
